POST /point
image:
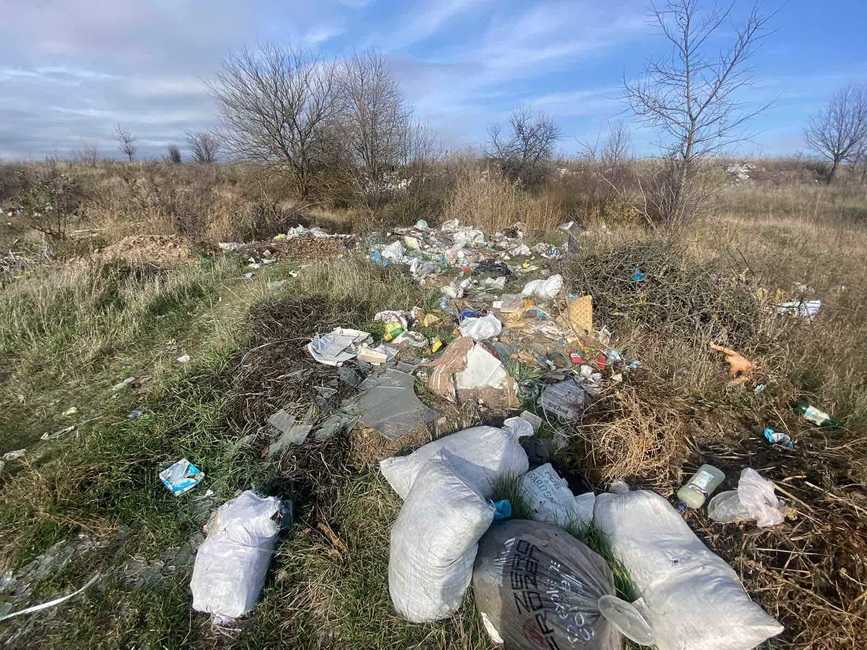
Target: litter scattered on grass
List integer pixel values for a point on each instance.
(800, 308)
(181, 477)
(18, 454)
(338, 346)
(778, 438)
(51, 603)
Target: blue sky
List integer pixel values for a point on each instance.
(71, 69)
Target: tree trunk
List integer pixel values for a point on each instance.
(833, 173)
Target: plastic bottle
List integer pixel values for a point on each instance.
(699, 487)
(814, 415)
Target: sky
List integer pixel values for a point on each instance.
(72, 69)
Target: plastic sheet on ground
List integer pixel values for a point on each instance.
(544, 289)
(486, 379)
(388, 403)
(291, 431)
(801, 308)
(691, 597)
(754, 500)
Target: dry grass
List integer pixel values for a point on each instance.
(484, 198)
(718, 283)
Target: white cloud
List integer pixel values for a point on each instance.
(425, 22)
(321, 34)
(580, 103)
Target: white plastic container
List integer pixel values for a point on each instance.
(702, 484)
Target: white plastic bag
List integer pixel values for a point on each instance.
(481, 328)
(754, 500)
(480, 455)
(544, 289)
(757, 495)
(549, 498)
(434, 543)
(483, 370)
(231, 563)
(393, 252)
(692, 598)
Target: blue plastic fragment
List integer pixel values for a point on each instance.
(502, 509)
(638, 276)
(466, 312)
(778, 438)
(377, 258)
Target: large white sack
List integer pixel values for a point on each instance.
(480, 455)
(231, 563)
(693, 599)
(434, 543)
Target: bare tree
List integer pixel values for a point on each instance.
(204, 146)
(376, 122)
(839, 131)
(126, 141)
(173, 154)
(528, 143)
(691, 96)
(279, 105)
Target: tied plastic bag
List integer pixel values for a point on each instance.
(480, 455)
(549, 498)
(231, 563)
(482, 328)
(536, 586)
(692, 598)
(434, 543)
(544, 289)
(753, 500)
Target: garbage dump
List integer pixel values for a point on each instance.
(434, 541)
(691, 597)
(480, 454)
(231, 563)
(536, 586)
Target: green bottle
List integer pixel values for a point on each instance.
(814, 415)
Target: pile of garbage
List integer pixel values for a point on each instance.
(537, 585)
(506, 334)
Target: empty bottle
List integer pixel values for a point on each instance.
(814, 415)
(697, 489)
